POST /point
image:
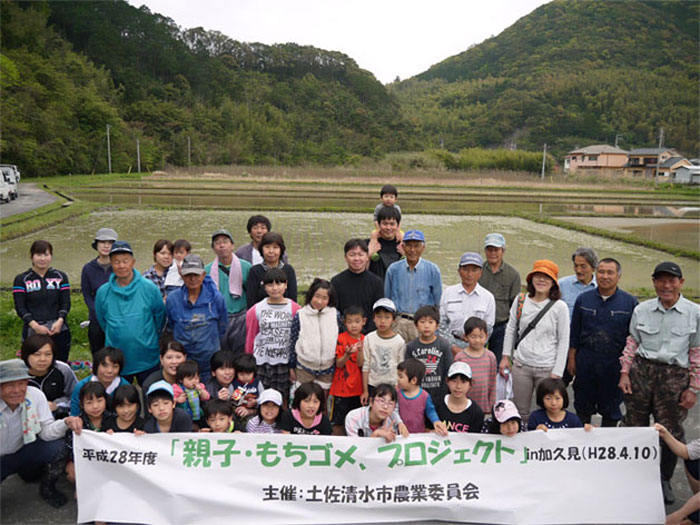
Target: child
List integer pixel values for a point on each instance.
(54, 378)
(106, 365)
(272, 249)
(93, 404)
(269, 414)
(219, 416)
(379, 418)
(189, 392)
(127, 405)
(388, 195)
(306, 416)
(314, 336)
(505, 419)
(456, 410)
(415, 404)
(268, 326)
(173, 280)
(482, 362)
(165, 416)
(346, 388)
(246, 388)
(553, 399)
(431, 350)
(223, 372)
(383, 350)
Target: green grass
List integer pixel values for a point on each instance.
(35, 220)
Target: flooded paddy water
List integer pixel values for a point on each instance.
(315, 241)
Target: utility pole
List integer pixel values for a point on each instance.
(138, 156)
(109, 152)
(544, 159)
(189, 148)
(616, 138)
(658, 156)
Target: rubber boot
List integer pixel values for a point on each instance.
(47, 485)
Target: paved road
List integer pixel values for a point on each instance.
(31, 196)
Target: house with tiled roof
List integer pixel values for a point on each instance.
(642, 162)
(596, 157)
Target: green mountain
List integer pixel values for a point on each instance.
(71, 68)
(569, 73)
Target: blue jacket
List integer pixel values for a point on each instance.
(601, 326)
(199, 326)
(75, 396)
(132, 318)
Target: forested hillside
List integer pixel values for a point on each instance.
(71, 68)
(569, 73)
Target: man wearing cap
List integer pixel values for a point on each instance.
(660, 373)
(412, 283)
(503, 281)
(230, 274)
(197, 314)
(95, 273)
(464, 300)
(131, 312)
(31, 443)
(599, 329)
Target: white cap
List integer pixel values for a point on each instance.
(460, 367)
(270, 395)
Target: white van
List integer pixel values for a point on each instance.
(8, 176)
(4, 190)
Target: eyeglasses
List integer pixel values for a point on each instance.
(386, 403)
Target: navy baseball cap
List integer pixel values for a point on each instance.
(121, 247)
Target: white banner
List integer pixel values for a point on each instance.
(558, 477)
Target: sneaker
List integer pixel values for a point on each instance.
(669, 496)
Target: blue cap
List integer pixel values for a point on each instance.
(121, 247)
(414, 235)
(471, 258)
(495, 239)
(160, 385)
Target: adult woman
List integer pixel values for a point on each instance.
(54, 378)
(541, 351)
(163, 259)
(42, 299)
(272, 250)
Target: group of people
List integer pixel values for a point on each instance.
(380, 349)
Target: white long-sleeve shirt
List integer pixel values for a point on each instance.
(545, 346)
(11, 423)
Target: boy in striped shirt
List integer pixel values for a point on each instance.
(482, 362)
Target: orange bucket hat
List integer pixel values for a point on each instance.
(546, 267)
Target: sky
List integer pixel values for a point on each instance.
(390, 38)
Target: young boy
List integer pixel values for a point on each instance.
(431, 350)
(383, 350)
(346, 387)
(219, 416)
(415, 404)
(459, 413)
(223, 372)
(173, 281)
(388, 194)
(246, 388)
(165, 416)
(481, 361)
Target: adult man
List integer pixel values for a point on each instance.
(130, 310)
(197, 314)
(95, 273)
(385, 249)
(585, 262)
(230, 273)
(599, 329)
(31, 443)
(661, 363)
(464, 300)
(503, 281)
(258, 226)
(411, 284)
(357, 286)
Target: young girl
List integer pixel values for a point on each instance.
(553, 399)
(456, 409)
(272, 250)
(127, 405)
(378, 419)
(246, 388)
(189, 392)
(269, 414)
(106, 366)
(93, 404)
(306, 416)
(268, 325)
(505, 419)
(54, 378)
(314, 336)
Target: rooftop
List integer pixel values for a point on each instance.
(597, 149)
